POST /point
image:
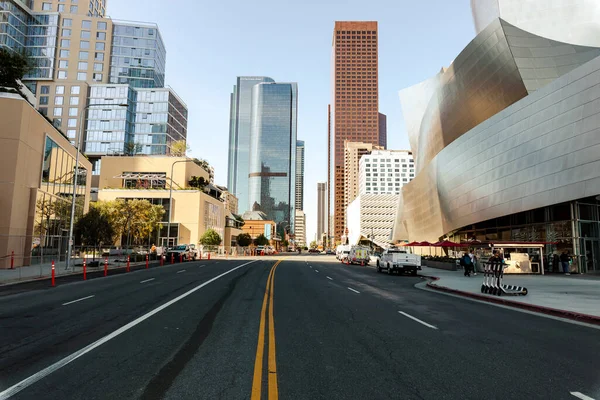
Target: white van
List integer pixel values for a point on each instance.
(342, 252)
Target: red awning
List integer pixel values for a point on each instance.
(412, 244)
(446, 243)
(424, 244)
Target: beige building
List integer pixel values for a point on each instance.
(36, 185)
(194, 210)
(300, 232)
(353, 151)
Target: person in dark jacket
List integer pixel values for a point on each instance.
(565, 257)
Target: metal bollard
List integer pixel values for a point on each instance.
(180, 257)
(162, 260)
(106, 266)
(172, 258)
(84, 270)
(127, 264)
(53, 282)
(146, 261)
(12, 259)
(209, 255)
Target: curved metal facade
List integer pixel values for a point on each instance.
(542, 150)
(502, 65)
(568, 21)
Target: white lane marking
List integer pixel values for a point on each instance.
(75, 301)
(200, 266)
(311, 266)
(316, 270)
(355, 291)
(183, 270)
(416, 319)
(329, 278)
(147, 280)
(25, 383)
(581, 396)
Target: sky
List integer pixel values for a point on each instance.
(209, 43)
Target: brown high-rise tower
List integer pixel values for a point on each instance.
(355, 104)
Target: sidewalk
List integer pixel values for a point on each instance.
(575, 297)
(44, 271)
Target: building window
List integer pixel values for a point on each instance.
(44, 89)
(74, 9)
(74, 101)
(59, 100)
(44, 100)
(64, 54)
(73, 111)
(83, 55)
(62, 75)
(63, 64)
(60, 90)
(86, 34)
(57, 111)
(101, 35)
(72, 122)
(84, 44)
(74, 89)
(101, 26)
(66, 32)
(85, 24)
(99, 56)
(43, 111)
(98, 77)
(47, 6)
(99, 45)
(67, 22)
(98, 67)
(83, 65)
(81, 76)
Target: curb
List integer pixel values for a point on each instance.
(591, 319)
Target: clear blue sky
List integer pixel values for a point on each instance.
(209, 43)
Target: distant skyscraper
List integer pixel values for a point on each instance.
(355, 109)
(300, 175)
(383, 130)
(300, 233)
(322, 219)
(239, 138)
(272, 164)
(353, 151)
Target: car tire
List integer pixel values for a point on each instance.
(389, 270)
(413, 272)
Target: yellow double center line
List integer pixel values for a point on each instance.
(260, 348)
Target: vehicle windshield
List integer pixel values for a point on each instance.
(180, 247)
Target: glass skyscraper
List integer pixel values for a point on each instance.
(300, 175)
(239, 138)
(137, 55)
(272, 168)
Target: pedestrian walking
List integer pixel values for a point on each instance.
(565, 257)
(473, 262)
(467, 264)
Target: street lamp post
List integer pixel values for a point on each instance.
(171, 198)
(78, 139)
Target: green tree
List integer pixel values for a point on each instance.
(261, 240)
(313, 244)
(210, 238)
(285, 243)
(197, 182)
(136, 219)
(179, 148)
(244, 239)
(13, 67)
(94, 229)
(205, 166)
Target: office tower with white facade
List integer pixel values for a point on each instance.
(300, 175)
(385, 171)
(322, 217)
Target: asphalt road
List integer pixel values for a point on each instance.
(214, 330)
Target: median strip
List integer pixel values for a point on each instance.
(257, 381)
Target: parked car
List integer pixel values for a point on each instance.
(194, 252)
(399, 260)
(329, 252)
(181, 251)
(314, 250)
(259, 250)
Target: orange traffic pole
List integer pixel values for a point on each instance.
(53, 283)
(84, 270)
(127, 264)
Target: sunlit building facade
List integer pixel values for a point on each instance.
(506, 138)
